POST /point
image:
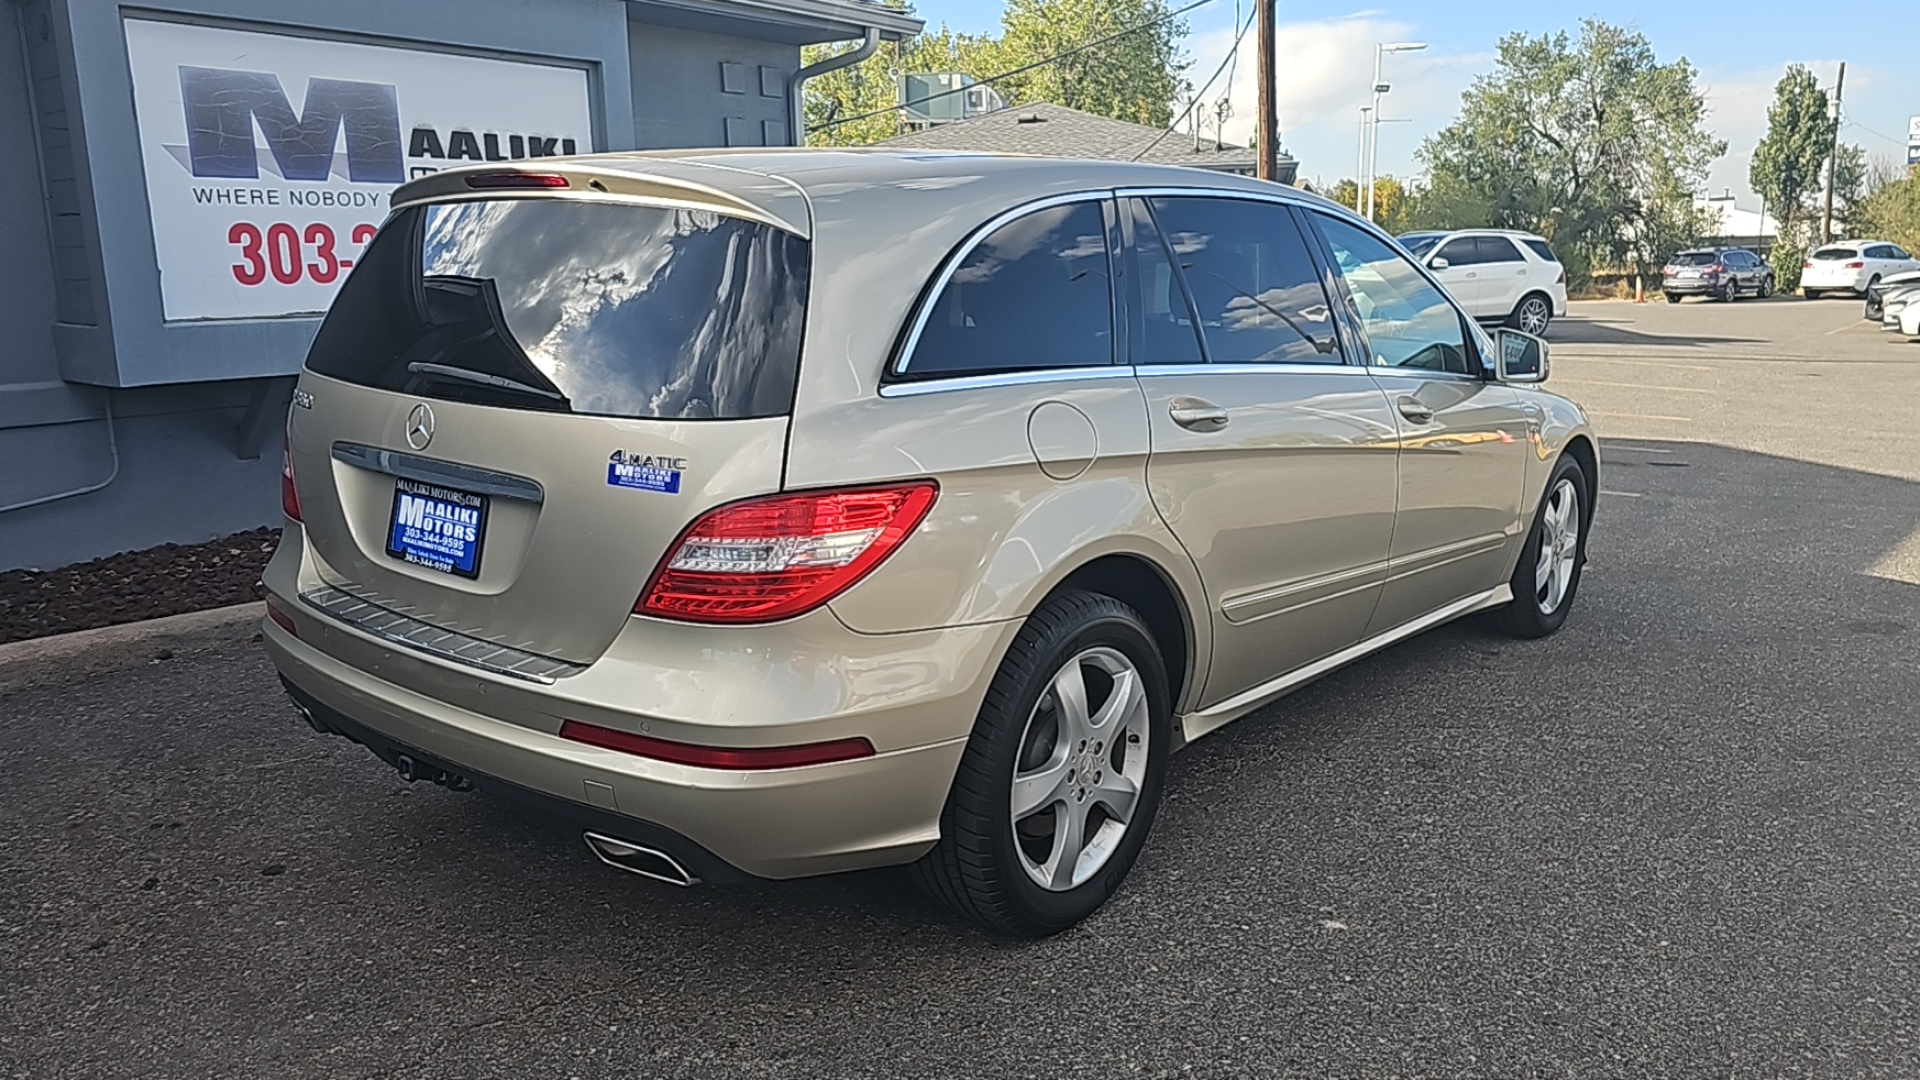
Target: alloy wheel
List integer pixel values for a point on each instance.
(1534, 315)
(1081, 764)
(1559, 546)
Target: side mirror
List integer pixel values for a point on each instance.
(1439, 263)
(1521, 358)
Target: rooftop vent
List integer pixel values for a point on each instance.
(1030, 118)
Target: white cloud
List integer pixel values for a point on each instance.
(1323, 78)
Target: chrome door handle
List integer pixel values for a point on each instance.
(1414, 411)
(1197, 415)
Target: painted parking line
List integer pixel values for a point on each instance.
(1622, 494)
(1641, 416)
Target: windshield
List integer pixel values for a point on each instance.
(1836, 254)
(567, 306)
(1695, 258)
(1419, 244)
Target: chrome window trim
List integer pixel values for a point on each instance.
(1149, 370)
(1006, 378)
(427, 470)
(1209, 193)
(931, 297)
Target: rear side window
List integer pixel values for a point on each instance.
(1255, 288)
(568, 306)
(1540, 248)
(1498, 249)
(1034, 294)
(1836, 254)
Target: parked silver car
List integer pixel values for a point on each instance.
(773, 513)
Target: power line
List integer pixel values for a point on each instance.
(1054, 59)
(1231, 53)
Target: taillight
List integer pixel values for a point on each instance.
(1856, 266)
(289, 498)
(1716, 268)
(1806, 266)
(782, 555)
(1562, 279)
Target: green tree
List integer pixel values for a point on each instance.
(1136, 77)
(1890, 210)
(1788, 166)
(1589, 141)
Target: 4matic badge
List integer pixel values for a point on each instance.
(645, 472)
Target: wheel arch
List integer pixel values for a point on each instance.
(1148, 589)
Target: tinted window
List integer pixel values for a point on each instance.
(1461, 252)
(1420, 243)
(1254, 286)
(1408, 322)
(1498, 249)
(575, 307)
(1834, 254)
(1898, 252)
(1033, 294)
(1695, 258)
(1540, 248)
(1161, 327)
(1881, 251)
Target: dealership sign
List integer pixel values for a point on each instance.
(270, 158)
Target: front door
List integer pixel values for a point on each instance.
(1463, 438)
(1272, 457)
(1461, 274)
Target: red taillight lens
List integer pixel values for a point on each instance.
(782, 555)
(1856, 266)
(1562, 279)
(281, 619)
(289, 498)
(516, 180)
(1716, 269)
(1806, 266)
(716, 757)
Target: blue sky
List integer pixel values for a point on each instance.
(1326, 59)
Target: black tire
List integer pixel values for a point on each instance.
(1673, 298)
(1524, 617)
(1766, 286)
(1533, 314)
(1871, 282)
(976, 868)
(1811, 294)
(1875, 309)
(1730, 291)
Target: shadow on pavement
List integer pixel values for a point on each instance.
(1678, 838)
(1586, 329)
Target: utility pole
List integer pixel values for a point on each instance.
(1266, 125)
(1833, 160)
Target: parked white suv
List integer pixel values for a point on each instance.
(1852, 267)
(1498, 275)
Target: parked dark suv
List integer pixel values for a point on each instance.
(1720, 273)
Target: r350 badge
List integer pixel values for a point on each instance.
(645, 472)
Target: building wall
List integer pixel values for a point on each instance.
(697, 89)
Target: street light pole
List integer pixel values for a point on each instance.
(1373, 149)
(1360, 164)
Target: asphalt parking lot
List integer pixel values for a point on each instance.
(1679, 839)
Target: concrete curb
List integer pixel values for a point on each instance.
(69, 658)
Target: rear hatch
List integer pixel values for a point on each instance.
(519, 401)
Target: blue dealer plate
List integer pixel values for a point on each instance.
(438, 528)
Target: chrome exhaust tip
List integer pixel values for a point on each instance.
(636, 859)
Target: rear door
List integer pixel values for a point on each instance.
(1505, 276)
(1463, 438)
(1272, 457)
(517, 404)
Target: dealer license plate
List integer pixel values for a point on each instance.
(437, 528)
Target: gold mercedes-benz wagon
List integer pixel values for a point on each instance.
(774, 513)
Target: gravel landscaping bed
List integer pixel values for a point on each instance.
(134, 585)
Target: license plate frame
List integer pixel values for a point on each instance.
(437, 528)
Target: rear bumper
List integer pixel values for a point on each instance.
(1823, 283)
(1690, 287)
(914, 696)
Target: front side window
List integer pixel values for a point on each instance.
(1034, 294)
(1409, 323)
(1462, 252)
(1254, 285)
(1898, 252)
(607, 309)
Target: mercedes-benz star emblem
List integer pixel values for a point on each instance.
(420, 426)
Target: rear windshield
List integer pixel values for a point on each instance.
(567, 306)
(1836, 254)
(1696, 258)
(1418, 244)
(1540, 248)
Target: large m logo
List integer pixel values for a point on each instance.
(222, 107)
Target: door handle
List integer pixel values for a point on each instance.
(1196, 414)
(1414, 411)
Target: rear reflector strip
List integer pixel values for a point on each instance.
(716, 757)
(282, 620)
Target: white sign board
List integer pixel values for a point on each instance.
(270, 158)
(1913, 130)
